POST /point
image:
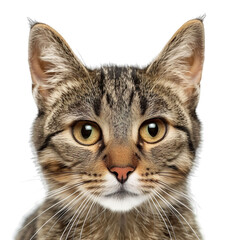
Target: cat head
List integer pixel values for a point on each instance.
(116, 135)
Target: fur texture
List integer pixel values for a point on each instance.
(125, 185)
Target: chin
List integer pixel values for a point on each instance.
(121, 202)
(122, 197)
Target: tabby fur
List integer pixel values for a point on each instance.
(119, 100)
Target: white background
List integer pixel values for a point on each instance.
(125, 32)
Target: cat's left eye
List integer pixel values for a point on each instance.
(86, 132)
(153, 130)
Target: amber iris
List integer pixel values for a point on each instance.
(153, 130)
(86, 132)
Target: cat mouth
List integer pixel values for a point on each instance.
(121, 200)
(120, 194)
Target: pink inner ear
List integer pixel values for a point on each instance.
(194, 74)
(195, 71)
(38, 72)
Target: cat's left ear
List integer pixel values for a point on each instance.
(51, 62)
(181, 61)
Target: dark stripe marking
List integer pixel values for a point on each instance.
(58, 166)
(97, 106)
(93, 180)
(40, 113)
(137, 156)
(118, 72)
(143, 104)
(143, 100)
(109, 100)
(48, 139)
(190, 143)
(75, 164)
(131, 99)
(140, 148)
(135, 79)
(101, 148)
(174, 167)
(101, 82)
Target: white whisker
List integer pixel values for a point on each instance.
(177, 200)
(170, 208)
(77, 214)
(49, 209)
(95, 217)
(161, 217)
(93, 203)
(181, 217)
(60, 190)
(54, 215)
(152, 211)
(165, 216)
(69, 208)
(176, 191)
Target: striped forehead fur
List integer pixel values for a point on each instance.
(118, 82)
(68, 94)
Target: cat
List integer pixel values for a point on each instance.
(115, 145)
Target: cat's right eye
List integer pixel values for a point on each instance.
(86, 132)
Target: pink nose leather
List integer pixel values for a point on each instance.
(122, 173)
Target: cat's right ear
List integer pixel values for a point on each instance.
(51, 62)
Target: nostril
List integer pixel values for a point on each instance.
(121, 173)
(115, 173)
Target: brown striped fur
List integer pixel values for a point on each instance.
(82, 202)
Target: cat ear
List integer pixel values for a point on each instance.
(51, 61)
(181, 61)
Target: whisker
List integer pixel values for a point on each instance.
(93, 203)
(48, 209)
(65, 173)
(138, 212)
(170, 205)
(80, 213)
(67, 209)
(176, 191)
(161, 217)
(165, 216)
(171, 175)
(172, 172)
(69, 230)
(65, 188)
(95, 217)
(177, 200)
(152, 211)
(77, 213)
(182, 218)
(62, 214)
(54, 215)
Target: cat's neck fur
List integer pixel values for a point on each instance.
(94, 222)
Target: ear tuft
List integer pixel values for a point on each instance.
(32, 22)
(202, 17)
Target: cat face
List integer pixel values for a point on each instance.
(116, 135)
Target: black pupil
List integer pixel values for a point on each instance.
(86, 131)
(153, 129)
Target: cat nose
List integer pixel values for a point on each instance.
(121, 173)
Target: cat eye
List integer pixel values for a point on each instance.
(153, 130)
(86, 132)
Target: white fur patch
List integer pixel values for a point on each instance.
(122, 198)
